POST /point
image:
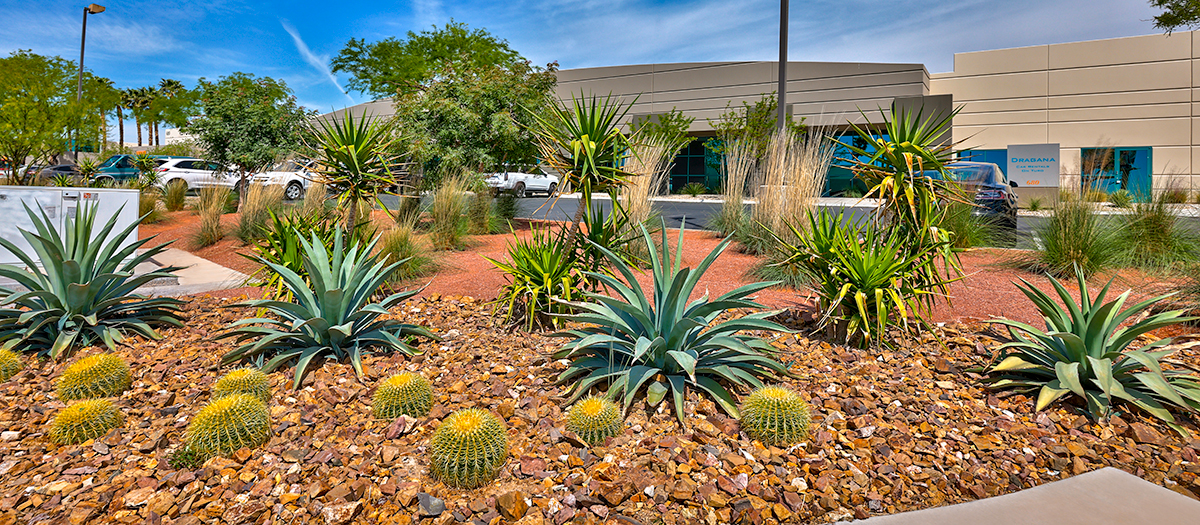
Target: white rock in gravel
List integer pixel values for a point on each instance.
(10, 435)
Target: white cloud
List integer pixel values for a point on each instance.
(318, 63)
(427, 13)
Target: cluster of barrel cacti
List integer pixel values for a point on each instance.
(87, 382)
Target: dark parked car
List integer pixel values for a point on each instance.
(59, 169)
(994, 197)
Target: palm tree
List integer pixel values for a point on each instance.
(169, 89)
(139, 103)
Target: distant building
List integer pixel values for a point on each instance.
(174, 136)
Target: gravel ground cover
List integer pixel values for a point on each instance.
(893, 430)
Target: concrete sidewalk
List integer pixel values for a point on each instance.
(1104, 497)
(199, 275)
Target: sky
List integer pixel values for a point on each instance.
(138, 42)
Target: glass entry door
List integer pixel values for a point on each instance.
(1112, 169)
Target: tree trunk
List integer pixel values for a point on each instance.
(157, 135)
(351, 216)
(138, 123)
(120, 128)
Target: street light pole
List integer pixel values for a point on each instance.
(91, 9)
(783, 45)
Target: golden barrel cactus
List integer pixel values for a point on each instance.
(99, 375)
(244, 381)
(595, 418)
(228, 424)
(84, 420)
(468, 448)
(406, 393)
(776, 415)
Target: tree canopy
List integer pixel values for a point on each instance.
(1177, 14)
(393, 67)
(245, 121)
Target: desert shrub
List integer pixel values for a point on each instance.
(969, 230)
(1174, 196)
(595, 418)
(1074, 236)
(1086, 352)
(1120, 198)
(10, 364)
(88, 419)
(1035, 204)
(148, 206)
(400, 245)
(1153, 237)
(447, 210)
(738, 165)
(468, 449)
(213, 204)
(81, 288)
(694, 189)
(331, 317)
(479, 212)
(776, 416)
(98, 375)
(315, 197)
(249, 381)
(542, 271)
(175, 195)
(786, 189)
(261, 200)
(506, 208)
(630, 338)
(648, 165)
(1066, 195)
(1095, 195)
(406, 394)
(228, 424)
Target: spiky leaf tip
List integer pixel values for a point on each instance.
(468, 448)
(776, 415)
(402, 394)
(84, 420)
(95, 376)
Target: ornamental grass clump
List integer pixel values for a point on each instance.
(1075, 237)
(10, 364)
(629, 338)
(1086, 353)
(80, 290)
(406, 394)
(595, 418)
(228, 424)
(468, 448)
(776, 416)
(244, 381)
(88, 419)
(99, 375)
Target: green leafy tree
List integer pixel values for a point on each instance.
(392, 66)
(246, 121)
(1177, 14)
(670, 127)
(469, 119)
(754, 123)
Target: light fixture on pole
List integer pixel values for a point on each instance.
(91, 9)
(783, 44)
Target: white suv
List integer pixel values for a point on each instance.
(522, 183)
(194, 173)
(293, 175)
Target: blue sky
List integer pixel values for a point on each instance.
(138, 42)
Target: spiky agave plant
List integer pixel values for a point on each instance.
(468, 448)
(631, 338)
(80, 289)
(334, 318)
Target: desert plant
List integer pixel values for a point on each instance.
(468, 448)
(146, 165)
(148, 205)
(81, 289)
(1121, 198)
(10, 364)
(399, 244)
(1035, 204)
(1087, 352)
(1175, 196)
(506, 208)
(776, 416)
(631, 338)
(184, 458)
(1095, 195)
(1067, 195)
(329, 318)
(406, 394)
(1153, 237)
(542, 271)
(314, 199)
(968, 229)
(479, 211)
(738, 165)
(61, 180)
(595, 418)
(448, 209)
(649, 164)
(615, 231)
(175, 195)
(97, 375)
(228, 424)
(1074, 236)
(213, 203)
(261, 200)
(88, 419)
(694, 189)
(88, 169)
(353, 159)
(249, 381)
(786, 187)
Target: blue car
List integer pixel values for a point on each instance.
(119, 168)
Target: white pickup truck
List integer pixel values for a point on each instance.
(521, 184)
(292, 175)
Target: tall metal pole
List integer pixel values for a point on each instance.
(783, 45)
(79, 87)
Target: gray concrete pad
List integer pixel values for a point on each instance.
(198, 275)
(1103, 497)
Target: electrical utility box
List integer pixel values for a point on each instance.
(61, 205)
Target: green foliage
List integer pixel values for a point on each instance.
(776, 416)
(865, 278)
(670, 129)
(97, 375)
(261, 200)
(479, 212)
(468, 448)
(249, 381)
(10, 364)
(401, 245)
(88, 419)
(80, 289)
(632, 338)
(175, 195)
(87, 169)
(1035, 204)
(402, 394)
(391, 66)
(1176, 14)
(1074, 236)
(1095, 195)
(968, 230)
(148, 206)
(329, 317)
(184, 458)
(1153, 237)
(611, 231)
(506, 208)
(594, 418)
(1121, 198)
(281, 244)
(245, 122)
(62, 180)
(1085, 351)
(1174, 196)
(694, 189)
(448, 210)
(542, 271)
(353, 160)
(753, 124)
(228, 424)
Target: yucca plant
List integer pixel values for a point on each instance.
(80, 291)
(331, 317)
(1085, 351)
(633, 339)
(540, 269)
(353, 159)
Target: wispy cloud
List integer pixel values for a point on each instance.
(318, 63)
(427, 13)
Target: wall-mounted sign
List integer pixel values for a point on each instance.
(1033, 165)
